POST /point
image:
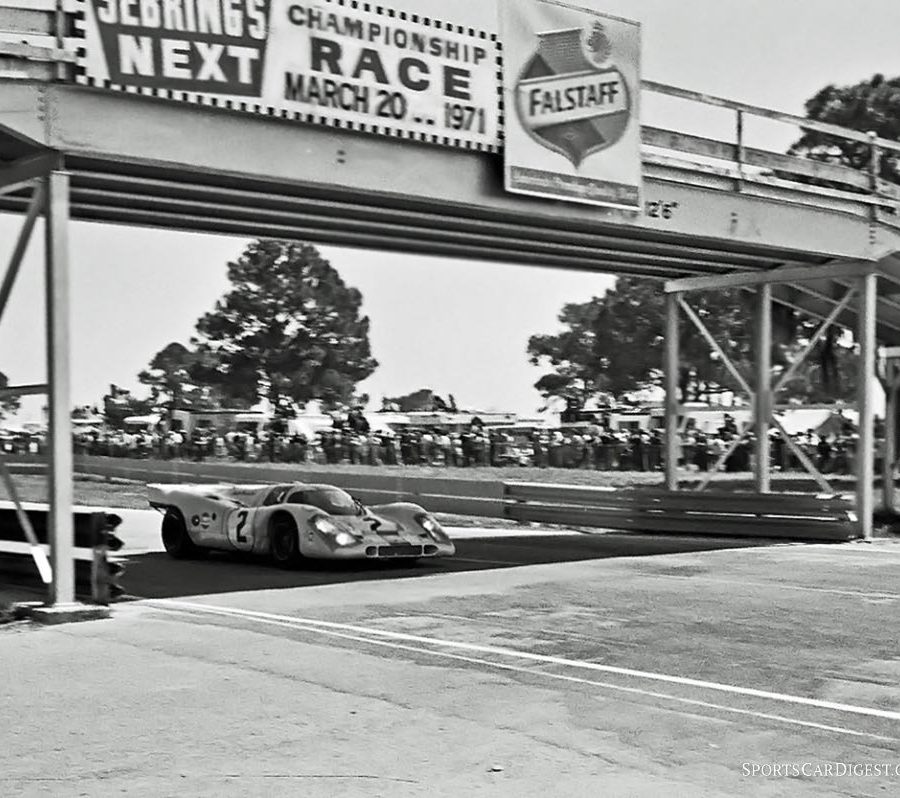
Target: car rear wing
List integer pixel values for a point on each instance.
(165, 495)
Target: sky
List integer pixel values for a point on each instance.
(458, 327)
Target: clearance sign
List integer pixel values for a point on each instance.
(571, 82)
(335, 62)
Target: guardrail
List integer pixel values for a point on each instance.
(93, 538)
(721, 514)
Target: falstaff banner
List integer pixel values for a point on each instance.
(571, 81)
(332, 62)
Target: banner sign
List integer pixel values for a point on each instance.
(334, 62)
(571, 82)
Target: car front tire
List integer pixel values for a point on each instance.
(175, 538)
(285, 542)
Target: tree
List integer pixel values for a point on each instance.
(8, 404)
(871, 105)
(169, 377)
(119, 404)
(614, 345)
(423, 400)
(290, 323)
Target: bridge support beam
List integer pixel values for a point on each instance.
(889, 374)
(763, 406)
(671, 368)
(889, 458)
(62, 588)
(865, 452)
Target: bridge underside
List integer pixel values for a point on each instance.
(70, 152)
(138, 161)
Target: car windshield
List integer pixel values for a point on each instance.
(331, 500)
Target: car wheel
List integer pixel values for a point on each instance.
(175, 536)
(285, 542)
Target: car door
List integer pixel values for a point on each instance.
(242, 523)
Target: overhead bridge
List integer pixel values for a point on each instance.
(717, 213)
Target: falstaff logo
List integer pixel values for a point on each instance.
(570, 97)
(215, 46)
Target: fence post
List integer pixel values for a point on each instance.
(874, 161)
(739, 149)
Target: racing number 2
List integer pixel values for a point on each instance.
(235, 529)
(241, 522)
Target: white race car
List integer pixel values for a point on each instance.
(291, 522)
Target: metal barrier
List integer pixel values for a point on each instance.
(93, 539)
(722, 514)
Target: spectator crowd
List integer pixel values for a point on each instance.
(352, 440)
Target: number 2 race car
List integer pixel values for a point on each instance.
(292, 522)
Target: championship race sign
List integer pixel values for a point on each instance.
(333, 62)
(572, 87)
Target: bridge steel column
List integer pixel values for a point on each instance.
(671, 368)
(763, 405)
(62, 588)
(865, 452)
(890, 440)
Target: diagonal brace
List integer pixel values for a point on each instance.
(20, 173)
(37, 551)
(802, 457)
(838, 309)
(34, 210)
(723, 458)
(714, 344)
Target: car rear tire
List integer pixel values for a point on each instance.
(284, 542)
(175, 538)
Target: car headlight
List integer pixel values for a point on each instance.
(431, 526)
(325, 525)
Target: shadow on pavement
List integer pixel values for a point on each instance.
(159, 576)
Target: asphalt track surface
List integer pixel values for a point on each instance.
(532, 664)
(156, 575)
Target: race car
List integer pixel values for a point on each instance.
(292, 522)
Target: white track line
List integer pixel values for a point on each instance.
(542, 658)
(299, 626)
(779, 585)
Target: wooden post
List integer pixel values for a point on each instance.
(672, 404)
(865, 451)
(763, 404)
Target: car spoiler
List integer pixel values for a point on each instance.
(166, 495)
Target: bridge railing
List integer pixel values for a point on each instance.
(737, 160)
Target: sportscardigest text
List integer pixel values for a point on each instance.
(821, 769)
